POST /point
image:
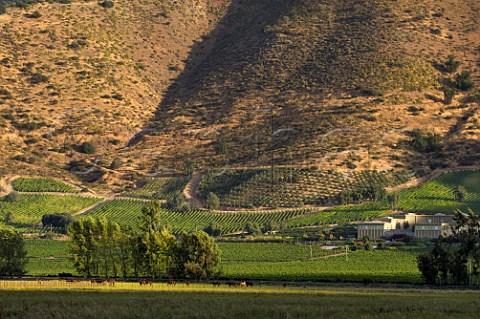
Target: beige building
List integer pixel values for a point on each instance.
(422, 226)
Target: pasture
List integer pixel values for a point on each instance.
(59, 299)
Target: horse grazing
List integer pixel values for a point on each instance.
(249, 284)
(242, 284)
(171, 283)
(111, 282)
(98, 281)
(144, 282)
(216, 283)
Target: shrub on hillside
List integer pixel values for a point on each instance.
(106, 4)
(87, 148)
(463, 81)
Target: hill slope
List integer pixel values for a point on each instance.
(332, 84)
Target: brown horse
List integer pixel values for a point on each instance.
(144, 282)
(171, 283)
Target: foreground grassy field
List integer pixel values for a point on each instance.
(57, 299)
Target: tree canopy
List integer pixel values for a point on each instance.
(13, 256)
(455, 259)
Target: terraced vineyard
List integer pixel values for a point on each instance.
(27, 209)
(41, 185)
(291, 187)
(159, 188)
(341, 215)
(435, 196)
(126, 212)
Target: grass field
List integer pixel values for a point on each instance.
(57, 299)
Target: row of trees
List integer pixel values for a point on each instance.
(103, 248)
(455, 259)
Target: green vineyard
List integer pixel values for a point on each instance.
(159, 188)
(26, 210)
(361, 266)
(270, 252)
(126, 212)
(41, 185)
(266, 261)
(291, 187)
(48, 257)
(435, 196)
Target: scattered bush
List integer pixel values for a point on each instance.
(106, 4)
(451, 65)
(34, 15)
(212, 201)
(87, 148)
(38, 78)
(463, 81)
(449, 94)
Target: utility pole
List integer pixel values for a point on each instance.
(271, 151)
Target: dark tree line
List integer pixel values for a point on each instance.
(103, 248)
(455, 259)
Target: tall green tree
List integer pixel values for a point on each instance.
(196, 256)
(212, 201)
(13, 256)
(156, 243)
(459, 193)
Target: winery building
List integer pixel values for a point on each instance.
(419, 226)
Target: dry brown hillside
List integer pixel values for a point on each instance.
(326, 79)
(84, 73)
(157, 84)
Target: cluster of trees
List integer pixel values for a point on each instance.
(373, 193)
(13, 256)
(425, 143)
(455, 259)
(460, 82)
(267, 227)
(103, 248)
(59, 220)
(177, 203)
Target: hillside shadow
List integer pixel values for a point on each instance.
(238, 37)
